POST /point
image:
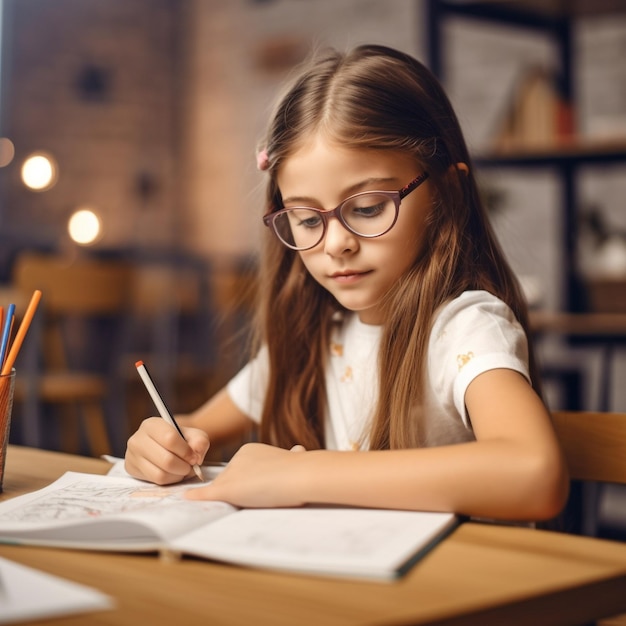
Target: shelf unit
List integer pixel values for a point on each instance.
(554, 19)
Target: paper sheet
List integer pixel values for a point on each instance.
(28, 594)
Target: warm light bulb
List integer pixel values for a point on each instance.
(7, 151)
(84, 227)
(39, 172)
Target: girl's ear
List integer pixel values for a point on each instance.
(462, 167)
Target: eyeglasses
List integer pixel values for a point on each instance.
(367, 214)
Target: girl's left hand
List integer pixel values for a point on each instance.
(258, 476)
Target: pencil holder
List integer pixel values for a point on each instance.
(7, 385)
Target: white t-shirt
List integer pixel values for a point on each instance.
(472, 334)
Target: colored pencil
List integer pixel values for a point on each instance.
(7, 366)
(161, 406)
(6, 333)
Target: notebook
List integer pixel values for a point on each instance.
(94, 512)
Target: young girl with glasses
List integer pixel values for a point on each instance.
(393, 367)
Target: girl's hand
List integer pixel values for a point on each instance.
(257, 476)
(157, 453)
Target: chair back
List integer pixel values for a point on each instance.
(74, 341)
(77, 294)
(594, 444)
(74, 286)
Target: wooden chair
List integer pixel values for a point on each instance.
(594, 444)
(75, 293)
(171, 328)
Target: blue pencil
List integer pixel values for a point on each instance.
(6, 332)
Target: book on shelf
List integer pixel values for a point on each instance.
(537, 116)
(117, 513)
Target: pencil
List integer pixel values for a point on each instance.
(161, 407)
(6, 332)
(21, 333)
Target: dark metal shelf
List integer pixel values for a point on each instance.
(570, 155)
(534, 12)
(554, 19)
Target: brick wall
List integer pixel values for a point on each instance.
(153, 109)
(91, 83)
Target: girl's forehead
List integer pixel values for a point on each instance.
(324, 174)
(318, 155)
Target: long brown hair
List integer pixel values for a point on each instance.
(374, 98)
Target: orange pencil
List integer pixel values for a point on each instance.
(1, 326)
(21, 333)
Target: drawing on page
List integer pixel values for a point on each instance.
(84, 500)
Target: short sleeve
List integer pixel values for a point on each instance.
(249, 387)
(472, 334)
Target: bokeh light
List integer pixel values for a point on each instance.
(7, 151)
(39, 172)
(84, 227)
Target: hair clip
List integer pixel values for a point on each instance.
(262, 160)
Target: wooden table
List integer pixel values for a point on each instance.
(481, 574)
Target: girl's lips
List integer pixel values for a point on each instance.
(348, 277)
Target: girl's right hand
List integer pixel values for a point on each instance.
(157, 452)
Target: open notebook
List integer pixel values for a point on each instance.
(123, 514)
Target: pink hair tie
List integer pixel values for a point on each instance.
(262, 160)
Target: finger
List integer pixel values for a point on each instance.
(199, 443)
(146, 470)
(147, 458)
(201, 493)
(164, 440)
(298, 448)
(159, 454)
(143, 466)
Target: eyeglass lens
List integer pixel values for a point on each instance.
(367, 215)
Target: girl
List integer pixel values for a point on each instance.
(393, 368)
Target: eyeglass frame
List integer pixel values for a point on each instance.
(395, 196)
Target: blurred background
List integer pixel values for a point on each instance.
(129, 192)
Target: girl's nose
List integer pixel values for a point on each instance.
(338, 239)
